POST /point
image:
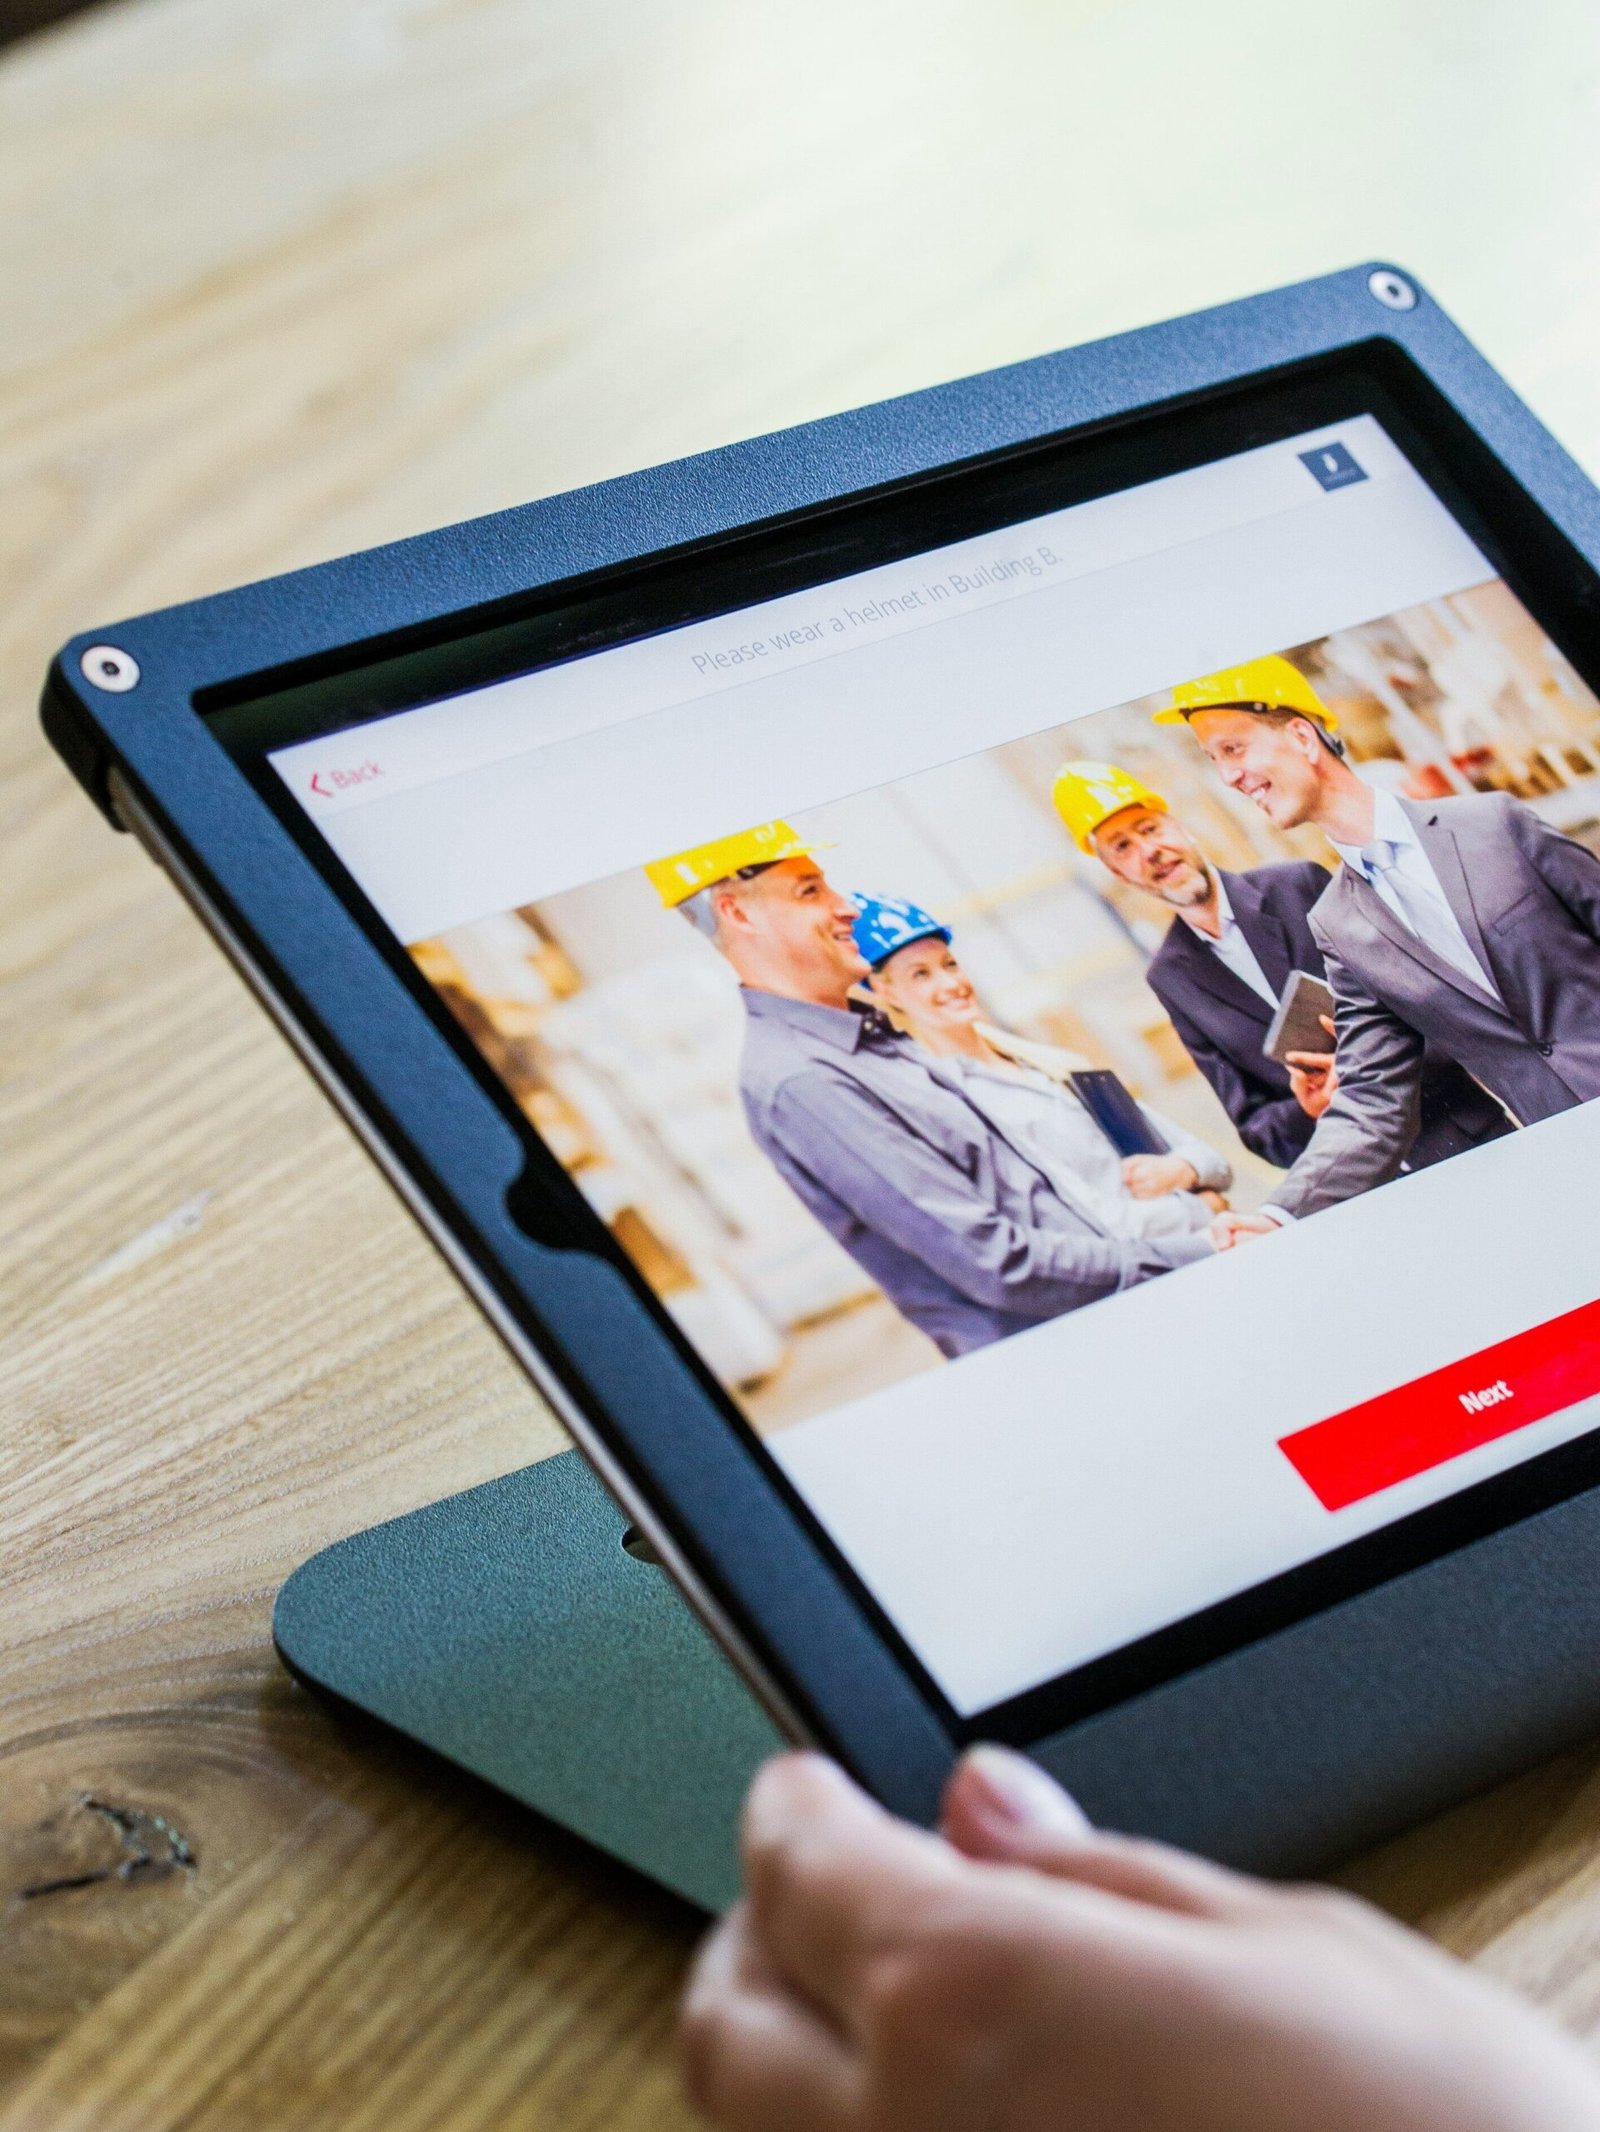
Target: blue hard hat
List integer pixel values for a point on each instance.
(884, 924)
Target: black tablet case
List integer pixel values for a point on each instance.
(506, 1627)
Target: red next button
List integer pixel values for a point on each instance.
(1437, 1417)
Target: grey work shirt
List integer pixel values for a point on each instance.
(966, 1236)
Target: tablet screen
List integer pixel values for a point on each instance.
(890, 962)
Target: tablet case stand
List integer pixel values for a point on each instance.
(508, 1629)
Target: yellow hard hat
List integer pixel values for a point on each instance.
(1089, 793)
(1269, 684)
(676, 879)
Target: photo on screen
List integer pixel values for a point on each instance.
(1041, 1009)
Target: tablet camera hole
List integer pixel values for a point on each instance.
(634, 1543)
(1392, 290)
(105, 666)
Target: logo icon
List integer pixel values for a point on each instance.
(1333, 466)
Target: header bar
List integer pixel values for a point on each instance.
(493, 798)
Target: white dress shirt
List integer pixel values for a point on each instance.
(1232, 948)
(1396, 865)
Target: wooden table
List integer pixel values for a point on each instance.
(283, 277)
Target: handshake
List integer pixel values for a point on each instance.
(1229, 1230)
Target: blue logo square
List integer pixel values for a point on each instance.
(1333, 466)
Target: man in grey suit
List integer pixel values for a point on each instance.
(1466, 923)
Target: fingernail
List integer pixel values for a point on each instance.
(782, 1788)
(1011, 1789)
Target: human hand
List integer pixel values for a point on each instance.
(1313, 1080)
(1313, 1076)
(1232, 1229)
(1149, 1176)
(1027, 1973)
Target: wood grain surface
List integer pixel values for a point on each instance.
(283, 277)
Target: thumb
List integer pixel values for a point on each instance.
(1004, 1808)
(1001, 1808)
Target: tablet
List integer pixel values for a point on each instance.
(1297, 1026)
(698, 891)
(1110, 1102)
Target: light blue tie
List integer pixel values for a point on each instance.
(1424, 915)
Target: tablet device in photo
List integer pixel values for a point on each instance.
(1297, 1023)
(1108, 1100)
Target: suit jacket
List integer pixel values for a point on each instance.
(1221, 1023)
(1219, 1019)
(964, 1233)
(1528, 900)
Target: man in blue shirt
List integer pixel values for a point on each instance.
(965, 1235)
